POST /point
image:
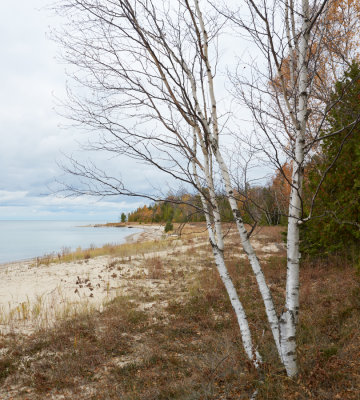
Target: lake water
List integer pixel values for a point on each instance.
(21, 240)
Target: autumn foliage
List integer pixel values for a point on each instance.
(181, 208)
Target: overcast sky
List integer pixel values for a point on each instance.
(31, 140)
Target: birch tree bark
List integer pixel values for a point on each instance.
(214, 137)
(289, 317)
(217, 244)
(285, 115)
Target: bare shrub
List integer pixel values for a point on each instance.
(155, 268)
(65, 250)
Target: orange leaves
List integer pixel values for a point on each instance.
(335, 43)
(281, 185)
(142, 214)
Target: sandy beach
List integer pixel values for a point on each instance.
(150, 232)
(33, 294)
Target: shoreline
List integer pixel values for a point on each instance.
(149, 232)
(36, 294)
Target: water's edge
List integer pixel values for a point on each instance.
(22, 241)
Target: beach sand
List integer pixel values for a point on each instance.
(150, 232)
(33, 296)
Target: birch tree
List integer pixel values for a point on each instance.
(289, 115)
(150, 93)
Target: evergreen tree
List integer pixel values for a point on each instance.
(335, 226)
(123, 217)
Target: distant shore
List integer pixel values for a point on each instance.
(149, 231)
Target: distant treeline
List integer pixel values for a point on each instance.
(263, 205)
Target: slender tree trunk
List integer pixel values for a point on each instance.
(237, 306)
(214, 136)
(249, 250)
(289, 317)
(218, 253)
(217, 245)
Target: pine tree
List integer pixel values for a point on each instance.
(335, 226)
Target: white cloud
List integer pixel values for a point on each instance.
(7, 196)
(21, 205)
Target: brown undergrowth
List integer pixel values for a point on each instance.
(181, 341)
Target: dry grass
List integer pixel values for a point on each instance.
(182, 341)
(121, 250)
(155, 267)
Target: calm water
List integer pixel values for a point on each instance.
(20, 240)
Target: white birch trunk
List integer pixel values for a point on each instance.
(264, 289)
(289, 317)
(237, 306)
(218, 253)
(217, 246)
(249, 250)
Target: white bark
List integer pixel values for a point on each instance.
(216, 238)
(213, 135)
(236, 304)
(254, 261)
(289, 318)
(217, 245)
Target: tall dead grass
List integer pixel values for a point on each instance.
(121, 250)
